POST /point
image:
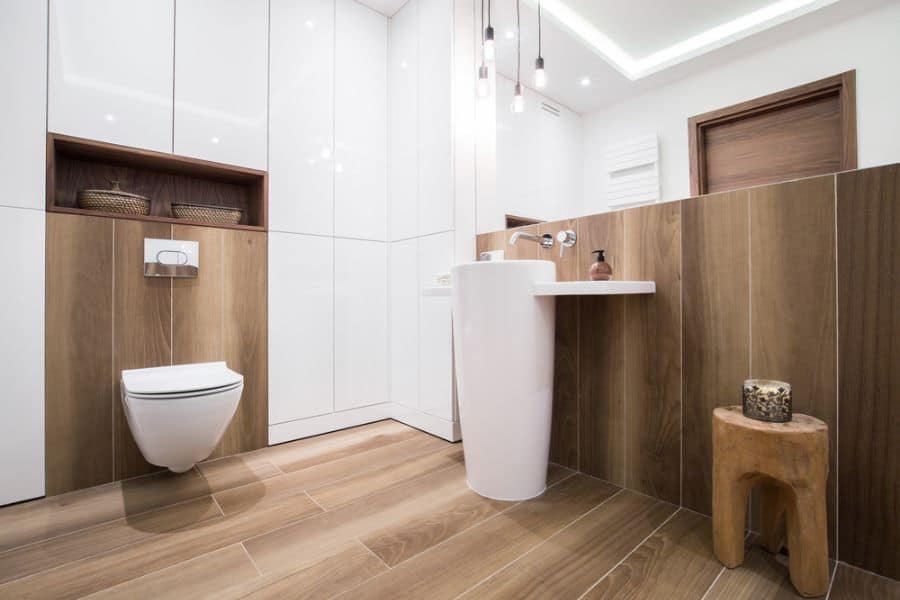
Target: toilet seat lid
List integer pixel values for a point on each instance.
(179, 379)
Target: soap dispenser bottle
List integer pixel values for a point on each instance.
(600, 270)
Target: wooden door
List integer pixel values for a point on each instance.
(801, 132)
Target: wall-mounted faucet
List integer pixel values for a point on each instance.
(546, 240)
(566, 239)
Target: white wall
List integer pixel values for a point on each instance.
(869, 43)
(23, 69)
(539, 165)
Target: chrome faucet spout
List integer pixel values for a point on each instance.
(546, 240)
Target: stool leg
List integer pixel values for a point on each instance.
(729, 516)
(773, 502)
(807, 532)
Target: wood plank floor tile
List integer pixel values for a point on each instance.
(337, 470)
(50, 517)
(304, 543)
(310, 452)
(123, 564)
(851, 583)
(233, 471)
(449, 569)
(675, 562)
(761, 577)
(96, 540)
(334, 494)
(204, 577)
(323, 579)
(400, 542)
(571, 561)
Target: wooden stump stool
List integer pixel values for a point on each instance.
(790, 461)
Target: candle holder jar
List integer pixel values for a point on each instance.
(767, 400)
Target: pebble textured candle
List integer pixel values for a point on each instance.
(766, 400)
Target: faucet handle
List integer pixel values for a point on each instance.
(566, 239)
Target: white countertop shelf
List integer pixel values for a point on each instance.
(594, 288)
(573, 288)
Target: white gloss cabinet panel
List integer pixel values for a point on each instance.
(404, 92)
(22, 355)
(435, 329)
(435, 115)
(110, 73)
(301, 116)
(404, 302)
(301, 326)
(221, 66)
(360, 122)
(360, 323)
(23, 70)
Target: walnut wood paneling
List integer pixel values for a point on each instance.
(244, 337)
(484, 242)
(868, 219)
(653, 351)
(79, 384)
(856, 584)
(716, 328)
(142, 328)
(564, 432)
(792, 289)
(75, 164)
(197, 303)
(601, 366)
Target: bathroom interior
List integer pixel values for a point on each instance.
(450, 299)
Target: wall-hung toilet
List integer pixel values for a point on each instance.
(178, 414)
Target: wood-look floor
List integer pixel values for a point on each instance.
(380, 511)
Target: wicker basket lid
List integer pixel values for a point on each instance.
(114, 190)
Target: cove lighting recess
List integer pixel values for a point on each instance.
(716, 37)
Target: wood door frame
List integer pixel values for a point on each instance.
(843, 84)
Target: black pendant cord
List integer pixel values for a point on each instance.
(539, 28)
(482, 32)
(489, 13)
(518, 43)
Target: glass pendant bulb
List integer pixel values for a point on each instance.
(489, 49)
(518, 104)
(540, 76)
(484, 84)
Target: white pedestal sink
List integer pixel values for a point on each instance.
(504, 338)
(503, 329)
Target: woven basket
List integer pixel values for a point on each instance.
(221, 215)
(114, 200)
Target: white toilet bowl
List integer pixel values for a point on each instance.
(178, 414)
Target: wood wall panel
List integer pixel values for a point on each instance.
(524, 249)
(792, 289)
(716, 328)
(244, 337)
(484, 242)
(564, 432)
(601, 366)
(142, 334)
(868, 241)
(653, 351)
(197, 303)
(79, 383)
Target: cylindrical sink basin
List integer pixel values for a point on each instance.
(503, 336)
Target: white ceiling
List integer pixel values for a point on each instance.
(640, 28)
(385, 7)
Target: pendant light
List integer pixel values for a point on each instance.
(483, 88)
(540, 76)
(518, 104)
(488, 49)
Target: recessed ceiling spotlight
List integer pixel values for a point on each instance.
(338, 168)
(214, 140)
(585, 81)
(110, 117)
(403, 64)
(510, 35)
(326, 153)
(309, 24)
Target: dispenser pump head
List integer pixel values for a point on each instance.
(599, 254)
